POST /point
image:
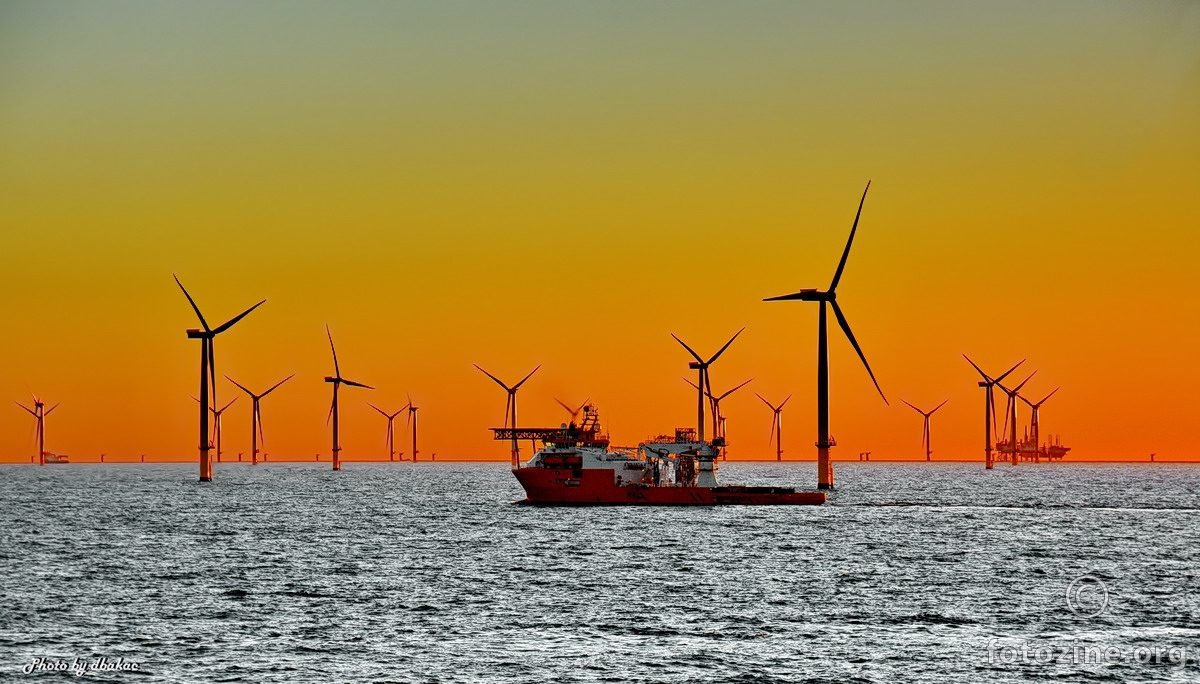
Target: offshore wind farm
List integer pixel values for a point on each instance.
(391, 216)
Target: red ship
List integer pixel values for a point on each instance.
(577, 467)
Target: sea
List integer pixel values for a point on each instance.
(430, 572)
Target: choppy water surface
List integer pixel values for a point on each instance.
(428, 573)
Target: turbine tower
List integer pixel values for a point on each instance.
(390, 440)
(704, 386)
(337, 381)
(776, 424)
(1035, 425)
(828, 299)
(39, 412)
(256, 431)
(926, 437)
(510, 408)
(1011, 408)
(208, 372)
(989, 407)
(412, 416)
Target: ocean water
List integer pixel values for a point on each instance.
(429, 573)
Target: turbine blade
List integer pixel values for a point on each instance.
(690, 350)
(774, 418)
(31, 411)
(837, 311)
(802, 295)
(336, 370)
(203, 323)
(722, 349)
(1010, 370)
(507, 405)
(585, 403)
(735, 389)
(381, 411)
(498, 381)
(229, 324)
(356, 384)
(1048, 396)
(914, 408)
(212, 369)
(785, 401)
(938, 407)
(564, 405)
(50, 411)
(1018, 387)
(694, 385)
(837, 276)
(276, 385)
(518, 385)
(261, 439)
(227, 405)
(235, 382)
(764, 401)
(331, 405)
(979, 370)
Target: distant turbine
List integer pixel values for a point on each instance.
(337, 381)
(926, 437)
(208, 372)
(39, 412)
(1011, 408)
(714, 403)
(1035, 426)
(217, 423)
(390, 440)
(256, 431)
(989, 407)
(573, 411)
(510, 408)
(776, 424)
(828, 299)
(703, 385)
(412, 415)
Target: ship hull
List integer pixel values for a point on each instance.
(597, 487)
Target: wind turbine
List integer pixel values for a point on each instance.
(573, 411)
(926, 437)
(510, 408)
(1035, 426)
(208, 372)
(217, 423)
(412, 415)
(989, 407)
(337, 381)
(704, 386)
(39, 412)
(715, 405)
(1012, 408)
(828, 299)
(390, 441)
(776, 424)
(256, 416)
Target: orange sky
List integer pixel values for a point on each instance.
(567, 184)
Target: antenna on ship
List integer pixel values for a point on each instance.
(208, 372)
(776, 425)
(703, 386)
(337, 381)
(926, 439)
(412, 419)
(828, 299)
(1035, 424)
(714, 403)
(39, 412)
(510, 409)
(1011, 408)
(256, 430)
(390, 440)
(989, 407)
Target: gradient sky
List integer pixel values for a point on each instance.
(567, 183)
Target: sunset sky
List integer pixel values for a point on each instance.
(568, 183)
